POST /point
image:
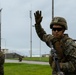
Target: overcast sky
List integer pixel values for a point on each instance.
(15, 23)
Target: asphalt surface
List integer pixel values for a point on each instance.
(24, 61)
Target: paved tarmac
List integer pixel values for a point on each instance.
(24, 61)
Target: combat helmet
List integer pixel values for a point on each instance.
(59, 21)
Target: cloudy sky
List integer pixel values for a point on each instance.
(15, 23)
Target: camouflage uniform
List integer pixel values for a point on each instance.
(2, 63)
(64, 45)
(69, 50)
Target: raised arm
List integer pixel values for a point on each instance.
(40, 31)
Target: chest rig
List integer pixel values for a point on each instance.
(59, 46)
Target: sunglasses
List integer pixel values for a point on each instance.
(57, 29)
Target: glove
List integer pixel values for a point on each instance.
(54, 65)
(50, 60)
(38, 17)
(61, 65)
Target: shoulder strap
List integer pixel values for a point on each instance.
(66, 37)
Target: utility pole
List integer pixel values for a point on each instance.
(30, 33)
(0, 29)
(40, 49)
(52, 9)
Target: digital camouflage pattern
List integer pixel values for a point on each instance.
(68, 48)
(2, 57)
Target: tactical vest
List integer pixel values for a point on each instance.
(59, 46)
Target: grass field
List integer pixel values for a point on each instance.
(26, 69)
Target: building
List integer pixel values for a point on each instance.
(10, 54)
(13, 55)
(45, 55)
(4, 50)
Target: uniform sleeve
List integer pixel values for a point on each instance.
(42, 34)
(70, 52)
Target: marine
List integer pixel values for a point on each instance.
(61, 42)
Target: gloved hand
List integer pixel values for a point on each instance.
(38, 17)
(50, 60)
(54, 65)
